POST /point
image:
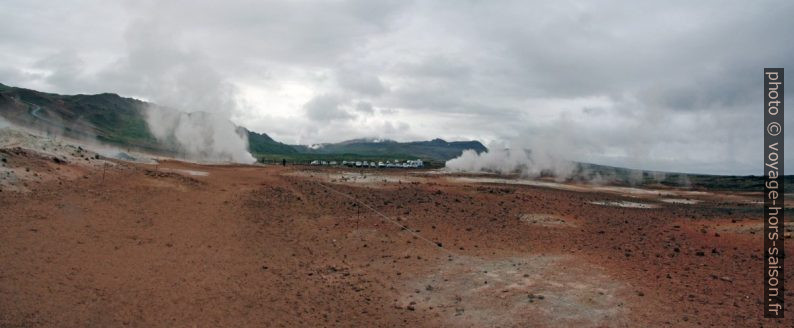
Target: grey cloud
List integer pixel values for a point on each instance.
(325, 108)
(66, 68)
(658, 85)
(171, 74)
(360, 82)
(364, 107)
(438, 67)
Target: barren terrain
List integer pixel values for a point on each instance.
(180, 244)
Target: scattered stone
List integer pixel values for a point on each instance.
(533, 297)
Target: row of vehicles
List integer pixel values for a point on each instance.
(372, 164)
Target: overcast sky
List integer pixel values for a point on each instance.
(671, 85)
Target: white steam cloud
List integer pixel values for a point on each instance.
(200, 136)
(543, 161)
(502, 160)
(177, 76)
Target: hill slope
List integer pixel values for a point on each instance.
(107, 117)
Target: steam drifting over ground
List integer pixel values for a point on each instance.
(549, 163)
(510, 161)
(200, 136)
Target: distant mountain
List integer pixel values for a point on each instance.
(436, 149)
(107, 117)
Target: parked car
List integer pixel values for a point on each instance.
(358, 164)
(315, 162)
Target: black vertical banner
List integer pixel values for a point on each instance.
(773, 193)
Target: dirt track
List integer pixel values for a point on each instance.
(196, 245)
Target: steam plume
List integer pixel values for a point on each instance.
(511, 161)
(200, 136)
(176, 76)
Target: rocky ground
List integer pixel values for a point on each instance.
(180, 244)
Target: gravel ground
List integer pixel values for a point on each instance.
(237, 245)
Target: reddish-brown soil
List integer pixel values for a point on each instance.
(183, 245)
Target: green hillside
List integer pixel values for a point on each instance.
(262, 144)
(107, 117)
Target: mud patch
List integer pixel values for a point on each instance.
(518, 292)
(625, 191)
(546, 220)
(188, 172)
(368, 178)
(623, 203)
(680, 201)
